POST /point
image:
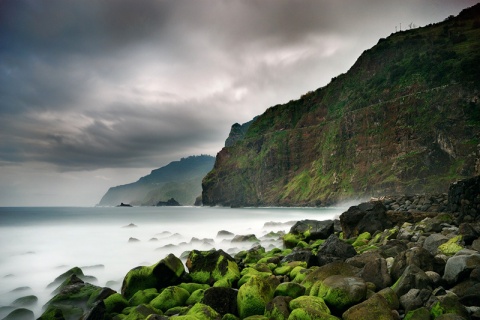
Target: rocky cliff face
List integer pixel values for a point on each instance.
(181, 180)
(404, 119)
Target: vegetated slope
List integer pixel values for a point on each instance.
(404, 119)
(181, 180)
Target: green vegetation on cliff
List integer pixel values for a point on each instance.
(405, 118)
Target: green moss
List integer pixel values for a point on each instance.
(418, 314)
(452, 246)
(143, 297)
(195, 297)
(254, 295)
(229, 316)
(291, 240)
(362, 239)
(115, 303)
(311, 304)
(170, 297)
(137, 279)
(203, 312)
(290, 289)
(191, 287)
(281, 271)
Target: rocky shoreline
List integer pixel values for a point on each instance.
(408, 257)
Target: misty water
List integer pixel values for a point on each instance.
(39, 244)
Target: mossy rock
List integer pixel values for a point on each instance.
(203, 312)
(184, 317)
(254, 295)
(277, 308)
(303, 314)
(244, 279)
(323, 272)
(229, 316)
(295, 271)
(341, 292)
(391, 297)
(192, 287)
(283, 270)
(375, 308)
(195, 297)
(289, 289)
(170, 297)
(166, 272)
(115, 303)
(312, 305)
(141, 312)
(176, 311)
(362, 239)
(212, 267)
(418, 314)
(67, 274)
(452, 246)
(21, 314)
(51, 313)
(25, 301)
(447, 304)
(143, 297)
(290, 240)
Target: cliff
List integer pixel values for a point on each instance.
(404, 119)
(181, 180)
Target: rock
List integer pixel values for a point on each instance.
(195, 297)
(417, 256)
(323, 272)
(311, 305)
(334, 249)
(254, 295)
(414, 299)
(142, 312)
(61, 278)
(170, 297)
(290, 289)
(278, 308)
(313, 229)
(130, 225)
(20, 314)
(222, 300)
(446, 304)
(341, 292)
(433, 241)
(459, 267)
(26, 301)
(166, 272)
(133, 240)
(468, 292)
(245, 238)
(469, 232)
(169, 203)
(418, 314)
(412, 277)
(463, 197)
(375, 308)
(301, 255)
(192, 287)
(391, 297)
(115, 303)
(225, 234)
(374, 268)
(214, 267)
(203, 311)
(366, 217)
(393, 248)
(143, 297)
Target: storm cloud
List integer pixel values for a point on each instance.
(89, 86)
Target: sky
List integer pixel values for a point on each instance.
(97, 93)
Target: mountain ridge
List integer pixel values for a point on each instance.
(180, 180)
(404, 119)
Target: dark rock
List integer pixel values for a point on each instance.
(459, 267)
(302, 255)
(245, 238)
(366, 217)
(277, 308)
(372, 309)
(20, 314)
(335, 249)
(463, 197)
(323, 272)
(469, 232)
(414, 299)
(393, 248)
(417, 256)
(131, 225)
(433, 241)
(225, 234)
(26, 301)
(97, 312)
(133, 240)
(468, 292)
(449, 304)
(222, 300)
(313, 229)
(374, 269)
(169, 203)
(413, 277)
(58, 280)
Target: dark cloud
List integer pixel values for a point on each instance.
(99, 84)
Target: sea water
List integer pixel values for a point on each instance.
(39, 244)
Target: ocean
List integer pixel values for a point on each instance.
(39, 244)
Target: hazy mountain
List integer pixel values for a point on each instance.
(180, 180)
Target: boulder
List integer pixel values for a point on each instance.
(277, 308)
(323, 272)
(20, 314)
(412, 277)
(459, 267)
(334, 249)
(115, 303)
(468, 292)
(417, 256)
(290, 289)
(254, 295)
(375, 308)
(418, 314)
(302, 255)
(168, 271)
(374, 268)
(341, 292)
(143, 297)
(414, 299)
(195, 297)
(469, 232)
(366, 217)
(313, 229)
(448, 304)
(222, 300)
(214, 267)
(311, 304)
(170, 297)
(310, 314)
(25, 301)
(204, 312)
(433, 241)
(245, 238)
